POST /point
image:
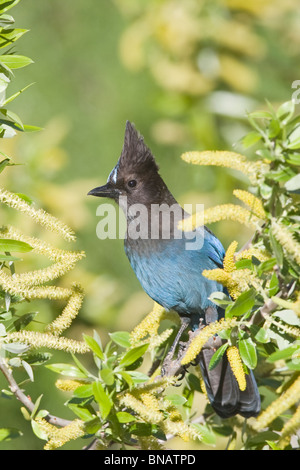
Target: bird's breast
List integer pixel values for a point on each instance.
(172, 275)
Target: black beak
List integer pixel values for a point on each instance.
(108, 190)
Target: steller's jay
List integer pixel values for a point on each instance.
(170, 273)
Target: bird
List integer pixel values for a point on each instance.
(170, 273)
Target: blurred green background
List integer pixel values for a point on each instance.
(186, 73)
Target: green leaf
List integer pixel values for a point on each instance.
(274, 285)
(9, 258)
(107, 376)
(7, 4)
(36, 407)
(273, 445)
(84, 412)
(83, 391)
(67, 370)
(133, 355)
(94, 345)
(24, 320)
(38, 358)
(244, 264)
(15, 95)
(16, 348)
(15, 61)
(248, 352)
(217, 356)
(267, 265)
(243, 304)
(260, 115)
(260, 334)
(293, 185)
(40, 433)
(220, 298)
(288, 316)
(30, 128)
(262, 437)
(127, 377)
(13, 116)
(285, 111)
(274, 128)
(4, 163)
(251, 139)
(80, 366)
(8, 36)
(293, 159)
(122, 338)
(286, 353)
(294, 139)
(208, 436)
(176, 400)
(29, 370)
(124, 417)
(137, 377)
(14, 245)
(278, 252)
(104, 401)
(92, 425)
(6, 434)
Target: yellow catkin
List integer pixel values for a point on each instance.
(290, 428)
(181, 429)
(72, 431)
(254, 204)
(157, 340)
(48, 428)
(68, 385)
(38, 340)
(290, 330)
(236, 365)
(41, 276)
(150, 401)
(68, 314)
(38, 215)
(277, 407)
(149, 325)
(222, 212)
(227, 159)
(9, 285)
(149, 409)
(203, 336)
(247, 254)
(287, 240)
(226, 279)
(229, 262)
(40, 246)
(150, 387)
(145, 412)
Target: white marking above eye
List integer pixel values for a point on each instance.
(113, 175)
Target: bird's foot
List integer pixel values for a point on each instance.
(173, 367)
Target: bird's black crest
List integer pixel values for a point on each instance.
(135, 153)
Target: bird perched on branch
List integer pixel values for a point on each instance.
(169, 264)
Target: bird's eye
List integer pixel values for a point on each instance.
(132, 183)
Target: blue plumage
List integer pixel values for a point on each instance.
(170, 272)
(172, 275)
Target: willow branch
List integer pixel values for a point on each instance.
(24, 399)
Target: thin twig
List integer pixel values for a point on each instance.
(26, 400)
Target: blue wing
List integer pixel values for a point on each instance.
(171, 274)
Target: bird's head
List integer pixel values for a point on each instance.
(135, 175)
